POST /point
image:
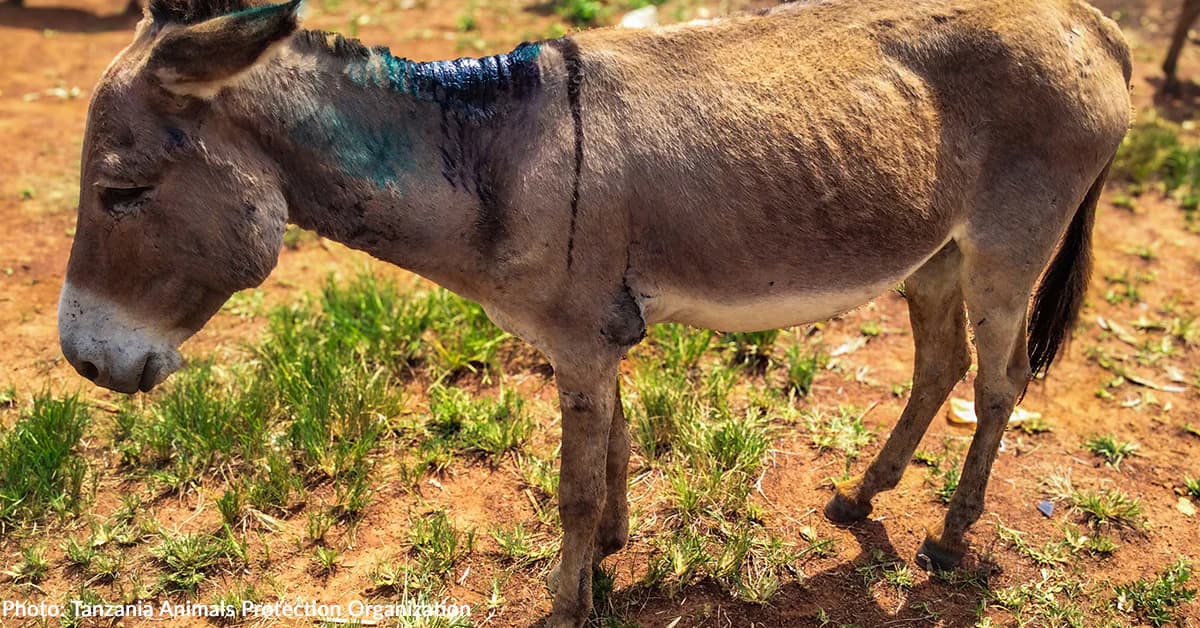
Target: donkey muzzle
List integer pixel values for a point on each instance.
(111, 348)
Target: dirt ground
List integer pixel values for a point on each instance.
(53, 51)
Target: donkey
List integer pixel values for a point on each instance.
(1187, 16)
(744, 173)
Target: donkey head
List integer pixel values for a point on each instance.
(178, 208)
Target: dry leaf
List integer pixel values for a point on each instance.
(962, 412)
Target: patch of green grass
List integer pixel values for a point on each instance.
(948, 482)
(879, 567)
(1146, 149)
(416, 589)
(710, 450)
(1192, 486)
(665, 404)
(1126, 287)
(1113, 451)
(802, 369)
(1052, 600)
(842, 431)
(1035, 425)
(437, 544)
(246, 304)
(717, 463)
(316, 525)
(1048, 555)
(106, 566)
(1153, 153)
(468, 20)
(325, 560)
(742, 557)
(235, 597)
(680, 346)
(521, 548)
(871, 329)
(8, 396)
(370, 319)
(539, 474)
(482, 426)
(337, 400)
(1109, 508)
(79, 555)
(32, 568)
(186, 559)
(40, 469)
(582, 12)
(751, 349)
(274, 487)
(462, 338)
(196, 424)
(1157, 601)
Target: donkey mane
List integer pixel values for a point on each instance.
(468, 83)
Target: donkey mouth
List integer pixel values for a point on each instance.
(157, 368)
(149, 376)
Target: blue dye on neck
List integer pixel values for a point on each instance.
(468, 83)
(360, 147)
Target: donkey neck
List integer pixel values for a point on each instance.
(408, 161)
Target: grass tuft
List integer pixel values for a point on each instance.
(40, 470)
(1109, 508)
(187, 558)
(481, 426)
(802, 369)
(1112, 450)
(1157, 601)
(437, 544)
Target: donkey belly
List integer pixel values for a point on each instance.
(770, 292)
(761, 311)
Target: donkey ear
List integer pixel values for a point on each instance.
(196, 58)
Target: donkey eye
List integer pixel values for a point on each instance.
(124, 200)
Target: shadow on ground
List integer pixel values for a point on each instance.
(838, 596)
(67, 20)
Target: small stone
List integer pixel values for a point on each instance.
(1046, 507)
(1185, 506)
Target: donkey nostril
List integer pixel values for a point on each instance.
(89, 370)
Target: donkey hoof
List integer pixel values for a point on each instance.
(552, 579)
(845, 512)
(933, 557)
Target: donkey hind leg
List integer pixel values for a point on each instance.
(614, 522)
(1188, 14)
(935, 306)
(586, 393)
(998, 302)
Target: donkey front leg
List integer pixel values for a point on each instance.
(614, 523)
(587, 392)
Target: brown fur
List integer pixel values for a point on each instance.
(748, 172)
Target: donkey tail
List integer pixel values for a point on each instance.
(1060, 294)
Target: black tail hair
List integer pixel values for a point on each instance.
(1060, 294)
